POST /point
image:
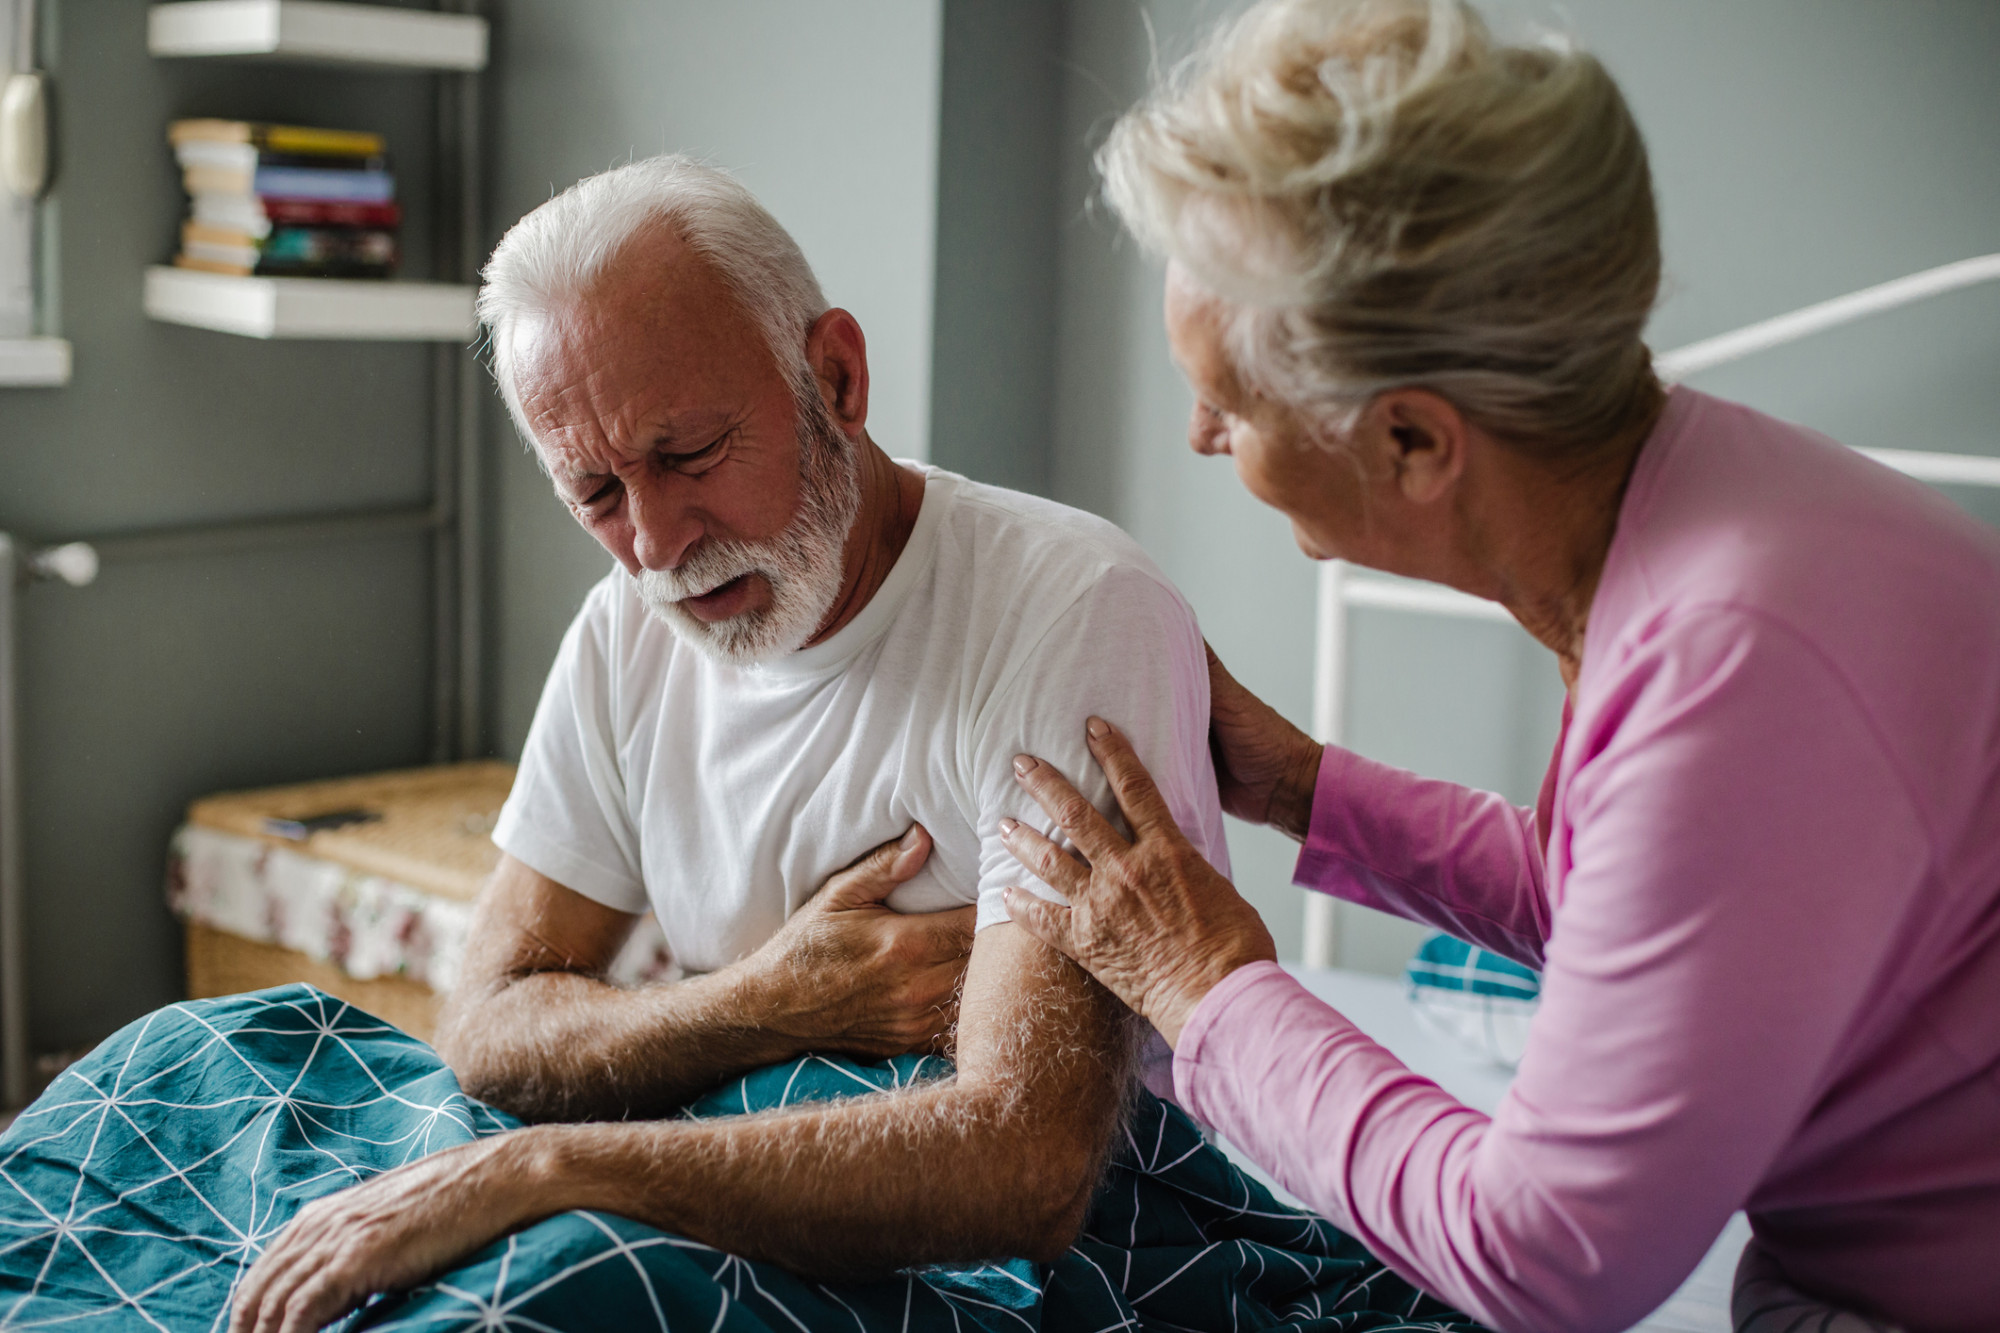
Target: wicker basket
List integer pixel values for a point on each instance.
(433, 836)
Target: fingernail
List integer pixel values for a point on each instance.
(1098, 727)
(910, 839)
(1023, 765)
(1007, 827)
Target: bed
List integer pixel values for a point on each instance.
(122, 1166)
(148, 1177)
(151, 1173)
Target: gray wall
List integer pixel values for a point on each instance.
(828, 112)
(993, 359)
(172, 678)
(1801, 148)
(1121, 427)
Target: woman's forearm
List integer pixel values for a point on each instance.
(1292, 797)
(1464, 861)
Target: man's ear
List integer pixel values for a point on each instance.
(838, 355)
(1424, 437)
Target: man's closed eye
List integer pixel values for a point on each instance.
(693, 462)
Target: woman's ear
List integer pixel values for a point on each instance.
(1424, 438)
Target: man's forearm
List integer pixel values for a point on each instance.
(999, 1160)
(562, 1045)
(929, 1176)
(533, 1026)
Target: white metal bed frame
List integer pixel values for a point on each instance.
(1341, 589)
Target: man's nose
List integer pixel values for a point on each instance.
(665, 526)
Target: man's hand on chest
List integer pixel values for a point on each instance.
(847, 973)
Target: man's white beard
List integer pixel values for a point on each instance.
(805, 564)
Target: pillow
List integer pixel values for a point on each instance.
(1475, 999)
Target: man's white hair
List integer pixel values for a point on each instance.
(552, 256)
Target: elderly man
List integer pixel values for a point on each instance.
(806, 651)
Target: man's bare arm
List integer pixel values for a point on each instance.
(534, 1027)
(999, 1160)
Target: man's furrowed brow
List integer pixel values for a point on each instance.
(694, 429)
(572, 481)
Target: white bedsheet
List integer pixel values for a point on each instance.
(1377, 1006)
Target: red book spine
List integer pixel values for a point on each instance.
(331, 213)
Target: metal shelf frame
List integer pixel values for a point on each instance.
(454, 519)
(1341, 589)
(449, 42)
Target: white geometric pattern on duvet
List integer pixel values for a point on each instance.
(138, 1189)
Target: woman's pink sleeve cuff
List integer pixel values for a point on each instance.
(1210, 1037)
(1325, 863)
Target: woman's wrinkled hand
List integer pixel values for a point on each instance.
(1150, 918)
(1265, 767)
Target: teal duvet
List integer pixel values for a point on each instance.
(134, 1193)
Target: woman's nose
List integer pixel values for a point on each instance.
(1206, 433)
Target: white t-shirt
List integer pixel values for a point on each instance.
(723, 797)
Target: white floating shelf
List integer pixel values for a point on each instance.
(34, 362)
(318, 31)
(330, 308)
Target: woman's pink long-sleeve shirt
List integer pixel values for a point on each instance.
(1768, 919)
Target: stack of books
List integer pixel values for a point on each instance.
(285, 200)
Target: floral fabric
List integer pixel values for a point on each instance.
(365, 925)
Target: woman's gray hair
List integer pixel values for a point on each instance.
(1382, 196)
(553, 255)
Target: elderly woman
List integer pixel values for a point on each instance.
(1408, 271)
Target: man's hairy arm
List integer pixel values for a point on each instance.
(999, 1160)
(534, 1027)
